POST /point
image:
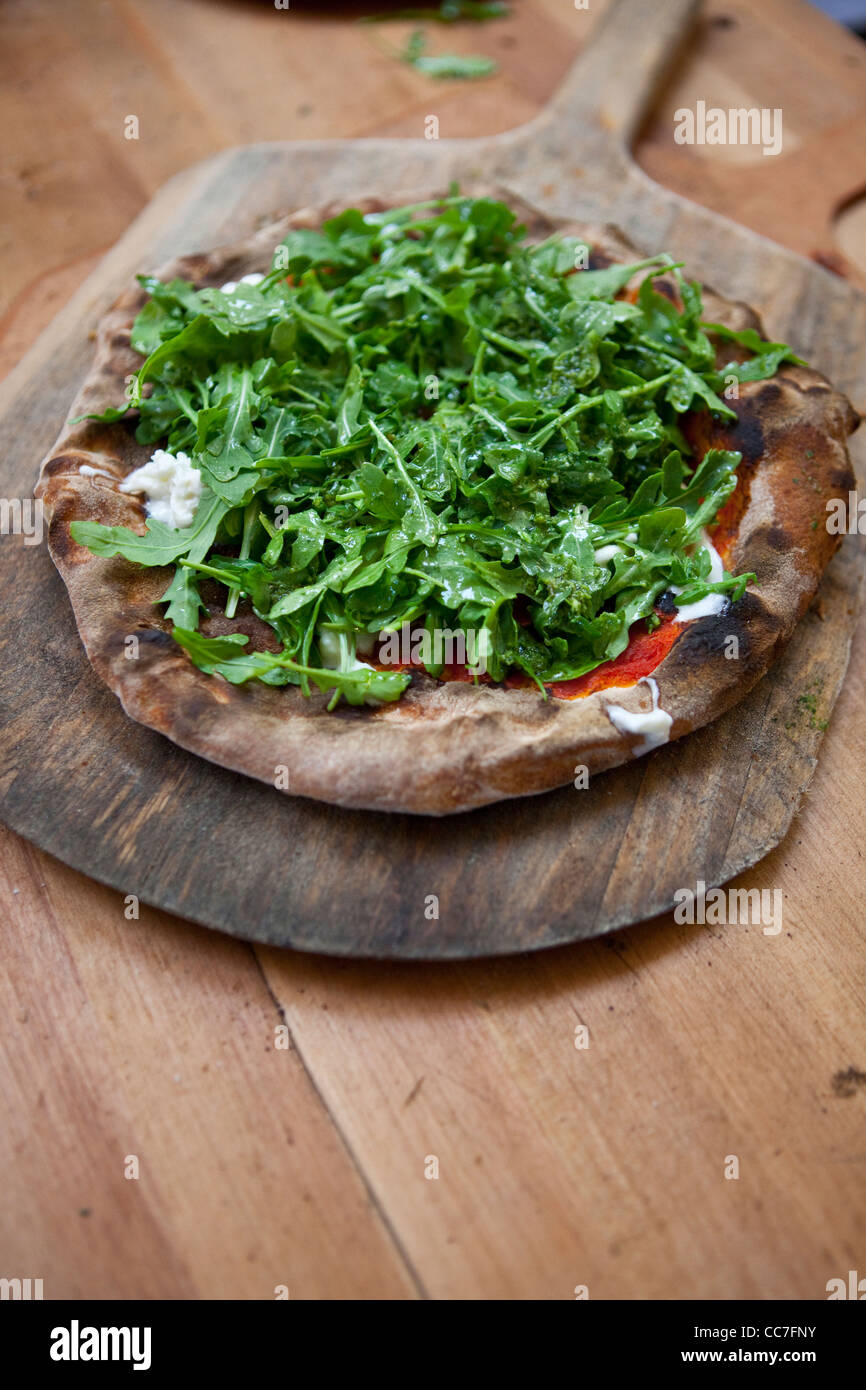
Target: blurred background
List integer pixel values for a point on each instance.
(850, 12)
(201, 75)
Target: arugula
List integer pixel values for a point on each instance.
(444, 65)
(449, 12)
(223, 656)
(418, 418)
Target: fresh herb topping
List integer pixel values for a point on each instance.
(417, 418)
(449, 12)
(444, 65)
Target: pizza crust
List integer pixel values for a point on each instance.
(444, 747)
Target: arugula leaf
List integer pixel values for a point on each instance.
(160, 544)
(459, 65)
(449, 12)
(224, 656)
(183, 599)
(443, 65)
(767, 357)
(604, 284)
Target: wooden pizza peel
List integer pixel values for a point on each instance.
(127, 807)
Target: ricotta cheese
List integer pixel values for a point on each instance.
(711, 604)
(605, 553)
(88, 471)
(654, 724)
(172, 485)
(329, 649)
(329, 646)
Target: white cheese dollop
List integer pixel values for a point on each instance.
(329, 646)
(172, 485)
(654, 724)
(711, 604)
(605, 553)
(88, 471)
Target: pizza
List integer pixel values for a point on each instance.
(419, 506)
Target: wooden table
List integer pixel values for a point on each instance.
(288, 1113)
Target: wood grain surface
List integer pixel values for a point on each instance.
(557, 1165)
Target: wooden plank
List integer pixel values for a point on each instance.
(200, 82)
(817, 80)
(686, 1060)
(742, 1040)
(126, 1038)
(606, 1166)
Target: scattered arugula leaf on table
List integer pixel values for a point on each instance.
(444, 65)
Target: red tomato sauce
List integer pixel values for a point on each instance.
(645, 651)
(643, 654)
(725, 528)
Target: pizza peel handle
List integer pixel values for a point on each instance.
(610, 84)
(571, 158)
(574, 158)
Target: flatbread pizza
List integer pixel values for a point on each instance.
(417, 507)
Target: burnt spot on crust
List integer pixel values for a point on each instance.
(155, 637)
(99, 438)
(832, 261)
(776, 536)
(766, 393)
(842, 479)
(198, 706)
(153, 642)
(708, 639)
(201, 706)
(747, 435)
(814, 387)
(62, 545)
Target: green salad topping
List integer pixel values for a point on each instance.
(418, 418)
